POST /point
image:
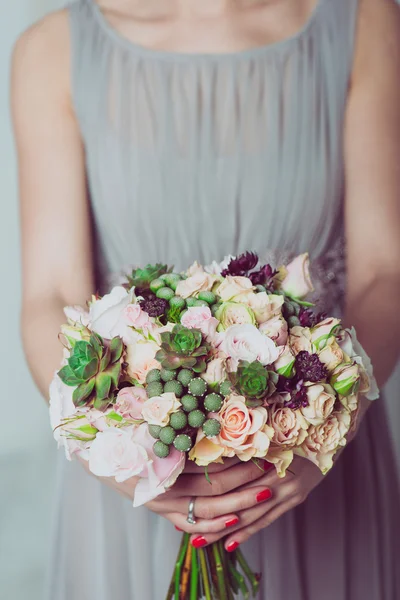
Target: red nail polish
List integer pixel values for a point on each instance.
(199, 541)
(231, 522)
(267, 466)
(264, 495)
(177, 528)
(232, 546)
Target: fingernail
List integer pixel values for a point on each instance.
(266, 465)
(232, 546)
(231, 522)
(199, 541)
(177, 528)
(264, 495)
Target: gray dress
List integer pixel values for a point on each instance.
(195, 157)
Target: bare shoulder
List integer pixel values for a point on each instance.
(41, 56)
(378, 38)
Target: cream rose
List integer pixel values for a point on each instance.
(345, 379)
(276, 328)
(321, 401)
(297, 282)
(281, 457)
(216, 372)
(194, 269)
(352, 347)
(300, 339)
(232, 288)
(331, 355)
(193, 285)
(140, 357)
(234, 313)
(157, 410)
(265, 306)
(205, 451)
(322, 333)
(216, 268)
(246, 342)
(285, 362)
(290, 427)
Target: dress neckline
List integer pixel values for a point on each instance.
(253, 52)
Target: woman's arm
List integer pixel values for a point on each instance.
(55, 231)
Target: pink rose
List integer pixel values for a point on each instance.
(130, 401)
(297, 283)
(200, 317)
(290, 427)
(141, 358)
(115, 453)
(276, 329)
(193, 285)
(321, 401)
(238, 423)
(107, 316)
(323, 441)
(137, 318)
(246, 342)
(157, 410)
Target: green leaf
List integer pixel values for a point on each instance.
(115, 417)
(88, 429)
(97, 344)
(90, 369)
(101, 405)
(103, 386)
(117, 348)
(71, 341)
(114, 371)
(82, 393)
(202, 351)
(200, 366)
(287, 370)
(105, 361)
(68, 377)
(207, 475)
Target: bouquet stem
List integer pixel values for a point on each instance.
(211, 573)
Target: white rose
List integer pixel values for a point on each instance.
(233, 287)
(321, 401)
(216, 371)
(277, 329)
(297, 282)
(216, 268)
(140, 357)
(157, 410)
(107, 315)
(265, 306)
(245, 342)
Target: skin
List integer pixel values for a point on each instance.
(54, 209)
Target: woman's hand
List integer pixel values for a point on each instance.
(266, 508)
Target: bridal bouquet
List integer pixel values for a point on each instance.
(229, 360)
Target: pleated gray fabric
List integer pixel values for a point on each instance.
(195, 157)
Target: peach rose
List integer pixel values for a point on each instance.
(323, 441)
(140, 357)
(290, 427)
(130, 401)
(281, 457)
(238, 422)
(157, 410)
(193, 285)
(276, 328)
(331, 355)
(265, 306)
(232, 288)
(200, 317)
(297, 283)
(206, 451)
(257, 445)
(300, 339)
(321, 401)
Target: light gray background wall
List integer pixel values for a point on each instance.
(27, 452)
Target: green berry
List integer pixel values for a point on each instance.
(177, 302)
(260, 288)
(225, 388)
(189, 403)
(174, 387)
(211, 427)
(172, 280)
(156, 285)
(167, 435)
(185, 376)
(154, 431)
(215, 308)
(208, 297)
(160, 449)
(197, 387)
(196, 418)
(165, 293)
(293, 322)
(178, 420)
(163, 277)
(167, 375)
(200, 303)
(182, 442)
(153, 375)
(191, 302)
(289, 309)
(155, 388)
(213, 402)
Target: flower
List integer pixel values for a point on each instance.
(300, 340)
(331, 355)
(141, 358)
(276, 328)
(285, 362)
(324, 332)
(290, 427)
(200, 317)
(239, 423)
(61, 408)
(216, 268)
(193, 285)
(153, 306)
(309, 367)
(234, 313)
(216, 372)
(194, 269)
(345, 379)
(106, 315)
(323, 441)
(265, 306)
(352, 347)
(114, 453)
(130, 401)
(79, 428)
(321, 401)
(242, 264)
(281, 457)
(232, 288)
(263, 276)
(206, 451)
(297, 283)
(157, 410)
(245, 342)
(136, 317)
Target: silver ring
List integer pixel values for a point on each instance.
(190, 517)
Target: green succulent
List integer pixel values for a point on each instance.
(95, 368)
(174, 314)
(142, 278)
(183, 347)
(254, 382)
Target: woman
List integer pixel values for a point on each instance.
(202, 129)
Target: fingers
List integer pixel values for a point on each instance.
(204, 526)
(221, 483)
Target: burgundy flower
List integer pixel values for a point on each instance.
(309, 367)
(297, 391)
(262, 276)
(309, 319)
(241, 265)
(155, 307)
